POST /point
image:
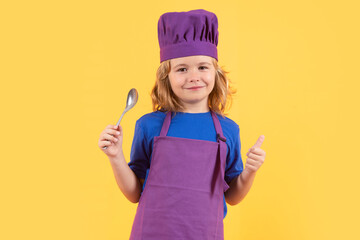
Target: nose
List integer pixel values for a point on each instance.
(194, 76)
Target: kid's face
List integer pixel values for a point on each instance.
(192, 78)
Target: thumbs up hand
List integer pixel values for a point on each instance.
(256, 156)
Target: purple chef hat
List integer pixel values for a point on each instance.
(182, 34)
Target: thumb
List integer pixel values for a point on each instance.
(259, 141)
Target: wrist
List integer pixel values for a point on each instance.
(117, 158)
(248, 172)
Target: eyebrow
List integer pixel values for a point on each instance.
(183, 64)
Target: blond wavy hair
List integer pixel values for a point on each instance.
(164, 99)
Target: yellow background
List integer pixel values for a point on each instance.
(67, 66)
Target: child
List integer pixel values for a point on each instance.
(185, 160)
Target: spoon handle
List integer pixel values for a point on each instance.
(117, 124)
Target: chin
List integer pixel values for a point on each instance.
(195, 100)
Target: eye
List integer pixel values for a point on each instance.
(180, 69)
(203, 67)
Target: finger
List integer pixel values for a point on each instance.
(110, 137)
(254, 156)
(253, 162)
(119, 128)
(259, 141)
(257, 151)
(113, 132)
(104, 143)
(111, 126)
(250, 161)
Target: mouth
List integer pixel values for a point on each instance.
(194, 88)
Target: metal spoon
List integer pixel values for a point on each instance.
(130, 102)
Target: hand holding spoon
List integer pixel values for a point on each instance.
(130, 102)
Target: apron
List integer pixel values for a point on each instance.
(183, 195)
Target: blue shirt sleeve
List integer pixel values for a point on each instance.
(234, 164)
(139, 155)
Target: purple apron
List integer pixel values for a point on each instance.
(183, 195)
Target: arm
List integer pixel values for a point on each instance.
(239, 187)
(129, 184)
(125, 176)
(241, 184)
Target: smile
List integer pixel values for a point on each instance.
(195, 88)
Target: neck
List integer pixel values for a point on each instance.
(193, 108)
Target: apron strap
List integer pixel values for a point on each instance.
(222, 148)
(166, 124)
(219, 132)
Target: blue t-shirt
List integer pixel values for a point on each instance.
(184, 125)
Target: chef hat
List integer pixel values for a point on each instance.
(182, 34)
